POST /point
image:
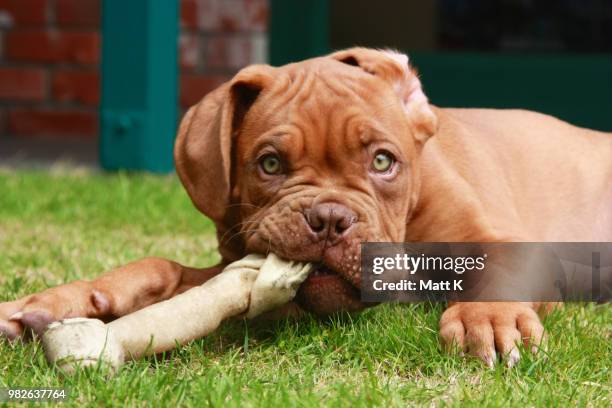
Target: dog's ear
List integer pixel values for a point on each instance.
(393, 67)
(203, 148)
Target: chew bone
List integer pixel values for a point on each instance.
(249, 287)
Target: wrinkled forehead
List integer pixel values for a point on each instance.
(323, 98)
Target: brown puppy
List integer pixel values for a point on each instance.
(310, 159)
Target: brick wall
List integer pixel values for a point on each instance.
(50, 52)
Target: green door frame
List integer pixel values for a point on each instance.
(139, 104)
(574, 87)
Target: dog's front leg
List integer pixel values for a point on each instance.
(481, 328)
(116, 293)
(485, 328)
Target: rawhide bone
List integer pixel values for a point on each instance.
(247, 287)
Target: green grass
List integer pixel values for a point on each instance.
(58, 227)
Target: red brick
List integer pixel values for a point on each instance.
(233, 52)
(233, 15)
(53, 46)
(189, 14)
(45, 122)
(78, 12)
(194, 87)
(189, 51)
(23, 12)
(22, 84)
(77, 86)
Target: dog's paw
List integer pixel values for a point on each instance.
(10, 329)
(484, 329)
(32, 314)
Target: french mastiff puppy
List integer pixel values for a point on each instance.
(310, 159)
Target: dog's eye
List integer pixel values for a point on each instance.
(383, 161)
(270, 164)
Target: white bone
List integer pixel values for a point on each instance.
(250, 286)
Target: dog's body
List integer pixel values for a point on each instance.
(310, 159)
(514, 175)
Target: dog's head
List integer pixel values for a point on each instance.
(309, 160)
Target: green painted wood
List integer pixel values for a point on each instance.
(299, 29)
(138, 110)
(574, 87)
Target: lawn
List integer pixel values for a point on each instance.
(62, 225)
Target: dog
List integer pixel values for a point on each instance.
(310, 159)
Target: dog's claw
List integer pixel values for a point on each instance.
(512, 358)
(489, 359)
(16, 316)
(37, 320)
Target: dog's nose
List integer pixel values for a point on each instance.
(330, 220)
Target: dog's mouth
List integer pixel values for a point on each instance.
(326, 291)
(321, 270)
